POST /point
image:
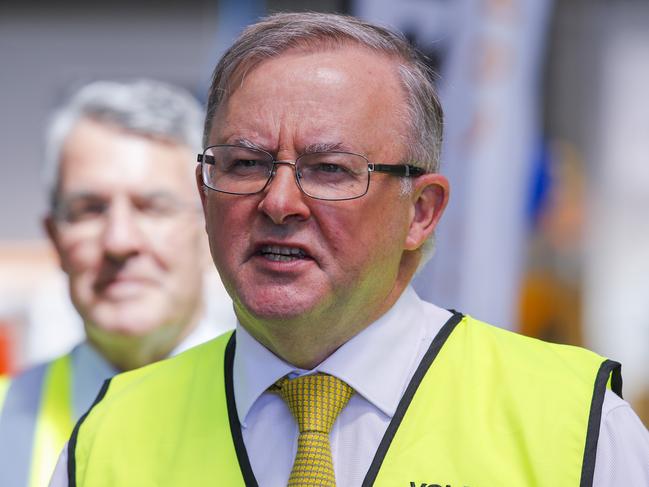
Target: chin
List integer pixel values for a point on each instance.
(280, 307)
(126, 329)
(125, 322)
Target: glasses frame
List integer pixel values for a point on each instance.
(399, 170)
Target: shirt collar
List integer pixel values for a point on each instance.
(203, 331)
(255, 369)
(378, 362)
(90, 370)
(94, 364)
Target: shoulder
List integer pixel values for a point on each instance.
(25, 387)
(617, 415)
(30, 374)
(511, 341)
(21, 396)
(159, 378)
(623, 448)
(532, 359)
(149, 405)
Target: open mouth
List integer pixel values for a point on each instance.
(278, 253)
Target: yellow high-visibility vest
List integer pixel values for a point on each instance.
(4, 385)
(36, 420)
(486, 407)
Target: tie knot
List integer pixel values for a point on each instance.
(315, 400)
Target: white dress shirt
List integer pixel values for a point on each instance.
(378, 363)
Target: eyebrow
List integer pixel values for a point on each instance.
(89, 195)
(243, 142)
(309, 149)
(78, 195)
(327, 147)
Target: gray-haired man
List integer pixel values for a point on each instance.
(320, 190)
(126, 224)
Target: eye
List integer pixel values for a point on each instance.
(330, 167)
(327, 166)
(245, 163)
(82, 209)
(157, 207)
(246, 167)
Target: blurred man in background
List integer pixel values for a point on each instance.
(126, 224)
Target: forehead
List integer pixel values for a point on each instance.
(348, 95)
(98, 157)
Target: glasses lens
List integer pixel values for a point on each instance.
(333, 175)
(236, 170)
(87, 216)
(81, 209)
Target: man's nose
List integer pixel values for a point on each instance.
(122, 236)
(283, 201)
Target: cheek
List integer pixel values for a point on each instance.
(227, 226)
(377, 233)
(82, 265)
(79, 258)
(363, 226)
(180, 252)
(348, 236)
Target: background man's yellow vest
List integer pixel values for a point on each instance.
(486, 407)
(35, 421)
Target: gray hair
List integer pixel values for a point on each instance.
(281, 32)
(145, 107)
(276, 34)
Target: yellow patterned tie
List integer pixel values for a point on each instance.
(315, 401)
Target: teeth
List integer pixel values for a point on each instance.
(279, 258)
(279, 251)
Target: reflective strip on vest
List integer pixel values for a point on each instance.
(54, 423)
(486, 407)
(35, 423)
(4, 385)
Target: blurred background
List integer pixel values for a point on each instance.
(547, 150)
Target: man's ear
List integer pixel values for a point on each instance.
(430, 194)
(52, 232)
(200, 186)
(50, 229)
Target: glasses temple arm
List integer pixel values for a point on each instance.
(405, 170)
(204, 158)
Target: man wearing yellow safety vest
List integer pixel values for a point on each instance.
(321, 192)
(126, 224)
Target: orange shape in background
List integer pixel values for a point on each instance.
(6, 343)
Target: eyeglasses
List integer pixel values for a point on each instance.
(329, 176)
(85, 215)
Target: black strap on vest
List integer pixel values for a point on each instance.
(233, 416)
(235, 425)
(18, 426)
(608, 369)
(72, 443)
(430, 355)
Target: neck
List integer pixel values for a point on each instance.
(128, 352)
(306, 341)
